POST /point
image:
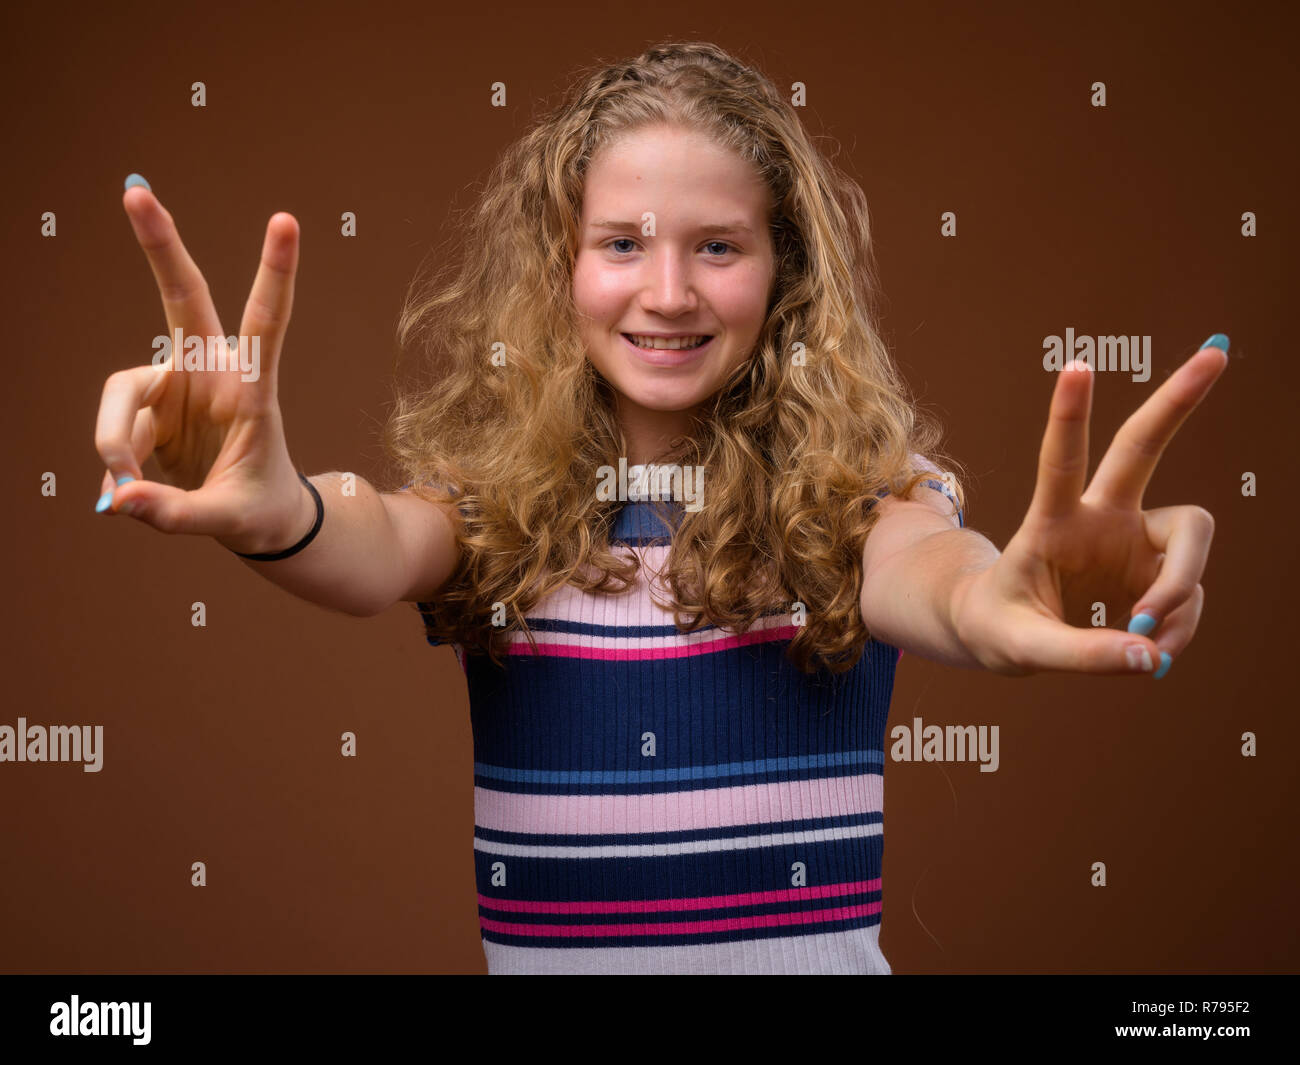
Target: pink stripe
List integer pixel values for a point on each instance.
(701, 902)
(676, 928)
(636, 606)
(642, 654)
(679, 811)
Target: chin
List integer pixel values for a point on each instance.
(666, 400)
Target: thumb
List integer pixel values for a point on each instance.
(169, 509)
(1053, 645)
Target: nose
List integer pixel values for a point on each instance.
(669, 288)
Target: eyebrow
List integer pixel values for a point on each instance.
(729, 227)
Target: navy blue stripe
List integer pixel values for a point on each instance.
(805, 824)
(625, 632)
(747, 703)
(611, 632)
(674, 774)
(665, 787)
(678, 876)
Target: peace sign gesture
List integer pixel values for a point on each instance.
(1077, 548)
(215, 433)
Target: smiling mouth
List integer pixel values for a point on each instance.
(689, 343)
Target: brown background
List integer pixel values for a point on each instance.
(222, 743)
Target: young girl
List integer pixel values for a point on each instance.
(679, 704)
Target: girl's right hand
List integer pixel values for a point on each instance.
(218, 438)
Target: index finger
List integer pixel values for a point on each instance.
(126, 393)
(1126, 468)
(185, 296)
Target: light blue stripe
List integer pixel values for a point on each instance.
(694, 772)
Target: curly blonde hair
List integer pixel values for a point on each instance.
(796, 450)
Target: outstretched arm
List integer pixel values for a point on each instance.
(912, 563)
(949, 595)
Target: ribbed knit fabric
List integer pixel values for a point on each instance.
(652, 802)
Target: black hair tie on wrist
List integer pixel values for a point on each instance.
(272, 556)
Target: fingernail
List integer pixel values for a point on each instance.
(104, 501)
(1142, 624)
(126, 478)
(1165, 662)
(135, 179)
(1138, 658)
(1219, 340)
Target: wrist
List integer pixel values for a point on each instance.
(268, 541)
(963, 627)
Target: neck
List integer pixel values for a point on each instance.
(651, 434)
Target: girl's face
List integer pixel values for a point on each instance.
(674, 242)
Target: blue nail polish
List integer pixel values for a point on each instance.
(135, 179)
(103, 503)
(1165, 662)
(1219, 340)
(126, 478)
(1142, 624)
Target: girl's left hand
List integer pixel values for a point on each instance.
(1076, 549)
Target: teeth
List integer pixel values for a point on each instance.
(669, 344)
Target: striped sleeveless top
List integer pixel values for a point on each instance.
(652, 802)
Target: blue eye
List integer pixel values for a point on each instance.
(628, 240)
